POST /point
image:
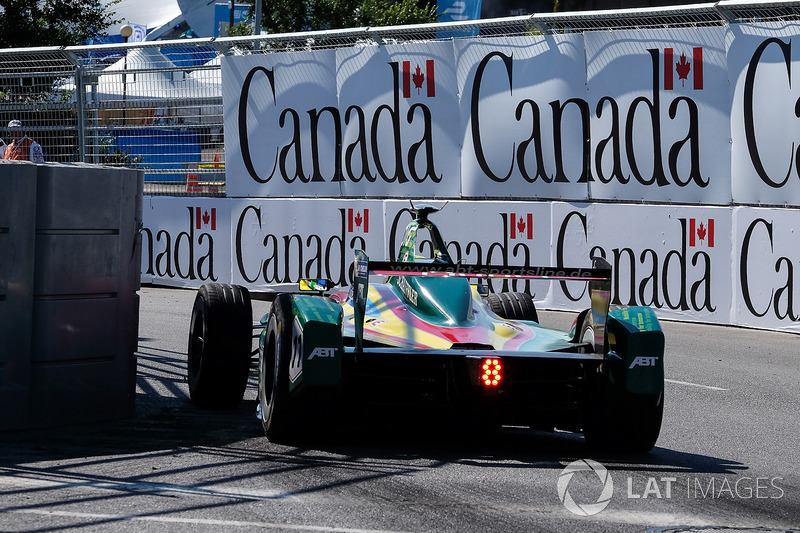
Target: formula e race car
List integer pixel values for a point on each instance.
(414, 333)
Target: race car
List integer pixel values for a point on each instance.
(423, 332)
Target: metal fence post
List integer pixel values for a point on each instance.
(81, 103)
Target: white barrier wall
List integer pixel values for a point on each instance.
(672, 152)
(661, 115)
(524, 117)
(676, 259)
(710, 264)
(766, 291)
(186, 241)
(763, 62)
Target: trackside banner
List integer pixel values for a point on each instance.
(764, 69)
(659, 109)
(525, 117)
(712, 264)
(685, 272)
(399, 108)
(364, 121)
(672, 153)
(490, 233)
(185, 241)
(282, 124)
(680, 115)
(766, 281)
(280, 241)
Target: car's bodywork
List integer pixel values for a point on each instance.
(422, 336)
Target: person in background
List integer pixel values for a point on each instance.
(22, 147)
(2, 148)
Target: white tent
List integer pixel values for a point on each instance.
(151, 75)
(145, 13)
(162, 16)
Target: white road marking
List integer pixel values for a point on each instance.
(196, 521)
(216, 491)
(609, 516)
(709, 387)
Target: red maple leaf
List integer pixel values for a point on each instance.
(521, 226)
(701, 232)
(206, 218)
(358, 219)
(418, 78)
(683, 67)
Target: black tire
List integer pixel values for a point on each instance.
(273, 370)
(513, 306)
(618, 422)
(220, 346)
(633, 427)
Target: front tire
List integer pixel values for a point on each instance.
(273, 370)
(220, 346)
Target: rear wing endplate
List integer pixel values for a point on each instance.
(600, 296)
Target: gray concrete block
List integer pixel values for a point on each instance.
(70, 254)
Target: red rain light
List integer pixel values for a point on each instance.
(491, 372)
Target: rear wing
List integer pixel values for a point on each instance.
(598, 277)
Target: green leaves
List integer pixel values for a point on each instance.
(290, 16)
(31, 23)
(385, 13)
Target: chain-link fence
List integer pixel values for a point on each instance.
(158, 105)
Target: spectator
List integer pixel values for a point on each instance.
(2, 148)
(22, 147)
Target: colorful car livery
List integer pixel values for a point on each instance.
(414, 333)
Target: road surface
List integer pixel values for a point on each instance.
(727, 458)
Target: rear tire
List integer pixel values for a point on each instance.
(618, 421)
(220, 346)
(632, 427)
(513, 306)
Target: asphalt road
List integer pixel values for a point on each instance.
(727, 457)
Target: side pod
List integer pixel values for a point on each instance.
(317, 343)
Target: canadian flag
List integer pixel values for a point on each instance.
(702, 231)
(683, 66)
(419, 78)
(522, 226)
(356, 221)
(205, 219)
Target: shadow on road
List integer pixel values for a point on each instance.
(166, 422)
(174, 425)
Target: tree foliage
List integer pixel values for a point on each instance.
(290, 16)
(112, 155)
(31, 23)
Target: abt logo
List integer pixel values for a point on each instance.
(322, 352)
(644, 360)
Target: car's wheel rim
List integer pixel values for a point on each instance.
(196, 349)
(588, 335)
(267, 375)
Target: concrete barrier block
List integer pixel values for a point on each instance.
(79, 393)
(76, 330)
(17, 244)
(70, 255)
(80, 263)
